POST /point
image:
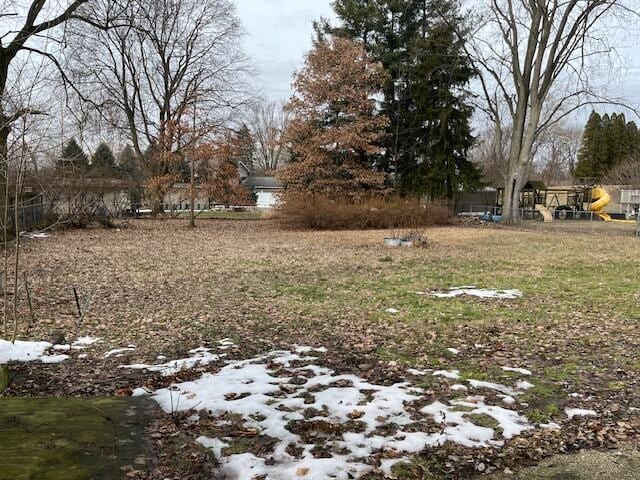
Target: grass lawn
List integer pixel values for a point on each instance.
(166, 289)
(226, 215)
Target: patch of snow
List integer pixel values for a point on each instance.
(493, 386)
(392, 311)
(199, 357)
(261, 391)
(214, 444)
(550, 426)
(305, 349)
(524, 385)
(225, 344)
(83, 342)
(511, 422)
(475, 292)
(523, 371)
(118, 351)
(79, 344)
(508, 399)
(35, 235)
(454, 374)
(455, 351)
(141, 392)
(458, 387)
(195, 418)
(24, 351)
(580, 412)
(416, 372)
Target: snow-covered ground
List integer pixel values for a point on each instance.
(29, 351)
(22, 351)
(199, 356)
(473, 291)
(274, 391)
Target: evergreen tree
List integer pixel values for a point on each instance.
(606, 141)
(73, 157)
(244, 147)
(103, 161)
(129, 169)
(128, 163)
(443, 128)
(429, 133)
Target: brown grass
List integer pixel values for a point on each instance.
(168, 288)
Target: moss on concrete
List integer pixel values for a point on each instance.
(71, 438)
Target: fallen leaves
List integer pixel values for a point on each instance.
(167, 289)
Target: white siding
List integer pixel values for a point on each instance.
(266, 198)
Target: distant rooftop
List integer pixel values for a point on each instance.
(264, 182)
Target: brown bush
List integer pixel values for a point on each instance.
(319, 213)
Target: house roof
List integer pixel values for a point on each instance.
(263, 182)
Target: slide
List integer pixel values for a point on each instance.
(546, 214)
(600, 200)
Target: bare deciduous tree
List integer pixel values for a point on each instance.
(534, 57)
(168, 77)
(269, 121)
(556, 154)
(170, 62)
(626, 174)
(28, 28)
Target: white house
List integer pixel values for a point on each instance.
(265, 189)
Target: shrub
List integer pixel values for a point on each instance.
(319, 213)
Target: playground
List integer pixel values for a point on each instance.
(584, 202)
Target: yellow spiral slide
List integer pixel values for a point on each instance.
(600, 200)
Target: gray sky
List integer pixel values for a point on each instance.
(279, 33)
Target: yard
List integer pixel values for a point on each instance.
(506, 381)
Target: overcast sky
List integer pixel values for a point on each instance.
(279, 33)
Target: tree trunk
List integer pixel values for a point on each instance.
(192, 195)
(511, 213)
(522, 140)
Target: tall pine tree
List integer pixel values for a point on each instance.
(607, 140)
(128, 163)
(437, 85)
(73, 157)
(103, 162)
(429, 118)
